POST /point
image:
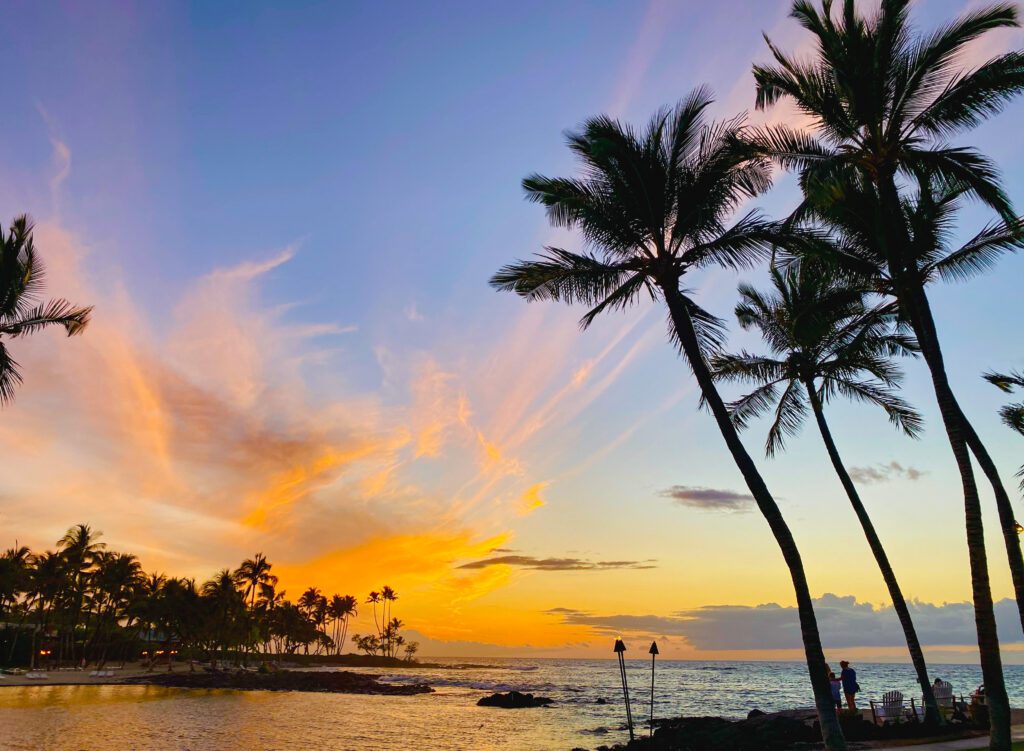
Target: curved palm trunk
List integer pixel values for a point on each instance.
(831, 732)
(915, 305)
(1007, 522)
(899, 604)
(984, 612)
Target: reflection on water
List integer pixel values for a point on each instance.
(149, 718)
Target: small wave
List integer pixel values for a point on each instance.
(594, 731)
(521, 668)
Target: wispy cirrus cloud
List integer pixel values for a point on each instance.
(708, 499)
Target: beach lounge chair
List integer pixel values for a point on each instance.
(889, 709)
(37, 676)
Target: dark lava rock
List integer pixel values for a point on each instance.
(601, 700)
(759, 733)
(514, 700)
(754, 713)
(341, 682)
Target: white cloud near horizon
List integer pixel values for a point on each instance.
(842, 620)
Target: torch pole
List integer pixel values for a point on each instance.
(654, 654)
(620, 648)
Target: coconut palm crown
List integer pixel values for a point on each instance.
(824, 335)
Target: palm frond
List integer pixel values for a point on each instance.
(981, 252)
(753, 405)
(969, 99)
(1005, 381)
(10, 375)
(52, 313)
(562, 276)
(900, 413)
(963, 169)
(790, 413)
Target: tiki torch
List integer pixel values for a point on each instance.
(620, 648)
(654, 654)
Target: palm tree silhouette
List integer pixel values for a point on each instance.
(388, 596)
(826, 340)
(375, 598)
(21, 313)
(80, 548)
(848, 215)
(340, 609)
(656, 205)
(884, 103)
(252, 573)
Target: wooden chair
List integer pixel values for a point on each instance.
(889, 709)
(943, 691)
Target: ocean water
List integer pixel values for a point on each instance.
(149, 718)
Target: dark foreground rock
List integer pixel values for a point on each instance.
(514, 700)
(284, 680)
(778, 732)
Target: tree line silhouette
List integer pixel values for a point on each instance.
(82, 603)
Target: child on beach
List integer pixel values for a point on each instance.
(837, 688)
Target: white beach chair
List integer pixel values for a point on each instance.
(889, 709)
(37, 676)
(943, 691)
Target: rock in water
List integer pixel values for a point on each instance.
(754, 713)
(514, 700)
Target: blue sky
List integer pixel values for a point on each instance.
(295, 209)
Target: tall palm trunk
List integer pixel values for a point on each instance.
(899, 604)
(914, 304)
(1007, 522)
(831, 732)
(984, 611)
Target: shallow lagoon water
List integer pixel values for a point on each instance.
(149, 718)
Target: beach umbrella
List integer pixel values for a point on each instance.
(620, 648)
(654, 654)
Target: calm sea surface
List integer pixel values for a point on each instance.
(137, 718)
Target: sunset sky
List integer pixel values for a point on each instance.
(286, 218)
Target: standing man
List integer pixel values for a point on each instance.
(850, 686)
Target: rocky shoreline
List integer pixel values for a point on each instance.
(338, 682)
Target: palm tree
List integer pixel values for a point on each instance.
(656, 205)
(340, 609)
(825, 341)
(847, 214)
(252, 573)
(374, 597)
(1012, 414)
(388, 595)
(114, 584)
(15, 580)
(48, 580)
(21, 313)
(80, 548)
(227, 606)
(884, 103)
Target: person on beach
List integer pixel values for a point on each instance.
(837, 686)
(850, 686)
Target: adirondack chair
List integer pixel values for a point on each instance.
(889, 709)
(943, 691)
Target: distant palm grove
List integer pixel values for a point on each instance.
(882, 182)
(83, 604)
